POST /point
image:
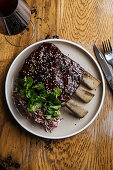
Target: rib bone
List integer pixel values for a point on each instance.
(84, 95)
(77, 109)
(90, 81)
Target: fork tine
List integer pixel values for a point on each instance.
(110, 45)
(106, 46)
(103, 47)
(108, 53)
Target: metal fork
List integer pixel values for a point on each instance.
(108, 52)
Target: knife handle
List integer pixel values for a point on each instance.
(111, 62)
(111, 83)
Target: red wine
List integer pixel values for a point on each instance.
(14, 16)
(7, 7)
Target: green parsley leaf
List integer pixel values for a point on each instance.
(49, 111)
(32, 69)
(39, 87)
(28, 81)
(43, 98)
(58, 112)
(22, 93)
(56, 102)
(57, 91)
(49, 117)
(30, 93)
(55, 115)
(50, 96)
(55, 107)
(34, 107)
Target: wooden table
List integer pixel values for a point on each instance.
(85, 22)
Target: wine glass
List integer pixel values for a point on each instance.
(15, 22)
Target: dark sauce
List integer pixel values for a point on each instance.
(54, 69)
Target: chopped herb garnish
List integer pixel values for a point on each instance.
(39, 87)
(22, 93)
(57, 91)
(32, 69)
(34, 106)
(38, 98)
(28, 81)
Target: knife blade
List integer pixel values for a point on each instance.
(104, 66)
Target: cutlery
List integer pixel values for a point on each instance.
(108, 52)
(104, 66)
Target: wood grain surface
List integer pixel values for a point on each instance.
(85, 22)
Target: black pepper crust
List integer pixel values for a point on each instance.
(54, 69)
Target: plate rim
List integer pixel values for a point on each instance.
(83, 49)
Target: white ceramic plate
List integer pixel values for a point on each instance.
(70, 125)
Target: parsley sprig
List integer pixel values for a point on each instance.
(38, 98)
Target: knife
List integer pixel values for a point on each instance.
(104, 66)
